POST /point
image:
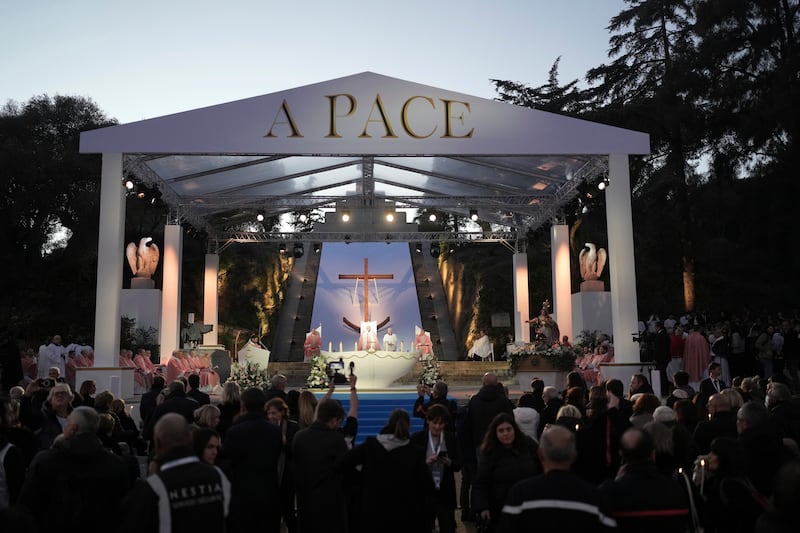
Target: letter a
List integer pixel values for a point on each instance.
(289, 120)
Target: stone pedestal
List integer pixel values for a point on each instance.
(591, 311)
(593, 286)
(142, 283)
(142, 305)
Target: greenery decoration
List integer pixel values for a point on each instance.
(317, 373)
(560, 357)
(431, 370)
(250, 374)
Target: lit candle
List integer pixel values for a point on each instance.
(702, 475)
(330, 346)
(340, 346)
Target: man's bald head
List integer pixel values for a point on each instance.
(171, 431)
(557, 449)
(490, 379)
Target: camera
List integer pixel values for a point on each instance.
(335, 366)
(46, 383)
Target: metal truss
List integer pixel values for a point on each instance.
(224, 240)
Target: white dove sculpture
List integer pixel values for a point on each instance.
(143, 259)
(592, 260)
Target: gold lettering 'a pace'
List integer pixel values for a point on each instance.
(341, 107)
(289, 119)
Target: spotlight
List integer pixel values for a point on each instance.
(418, 247)
(434, 250)
(346, 215)
(603, 183)
(260, 216)
(432, 217)
(317, 247)
(389, 216)
(452, 248)
(303, 217)
(129, 185)
(282, 248)
(473, 214)
(298, 250)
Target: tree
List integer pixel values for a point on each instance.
(552, 96)
(50, 188)
(751, 58)
(646, 86)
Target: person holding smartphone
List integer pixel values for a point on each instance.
(443, 458)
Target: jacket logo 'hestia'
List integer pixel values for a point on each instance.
(343, 106)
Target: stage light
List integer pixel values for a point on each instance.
(389, 216)
(317, 247)
(129, 185)
(473, 214)
(452, 248)
(282, 248)
(432, 217)
(603, 183)
(260, 216)
(434, 250)
(346, 215)
(298, 250)
(303, 217)
(418, 247)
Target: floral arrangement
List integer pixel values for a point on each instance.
(250, 374)
(317, 373)
(560, 357)
(589, 339)
(431, 370)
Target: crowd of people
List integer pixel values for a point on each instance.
(719, 455)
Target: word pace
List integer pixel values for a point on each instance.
(419, 117)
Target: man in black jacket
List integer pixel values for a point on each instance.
(641, 498)
(149, 400)
(76, 485)
(252, 448)
(175, 402)
(194, 391)
(185, 496)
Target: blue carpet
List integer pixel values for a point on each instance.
(374, 409)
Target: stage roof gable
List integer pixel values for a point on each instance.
(366, 140)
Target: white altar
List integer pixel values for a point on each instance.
(375, 370)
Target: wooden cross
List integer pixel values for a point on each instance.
(366, 276)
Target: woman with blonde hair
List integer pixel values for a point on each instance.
(306, 408)
(207, 416)
(230, 406)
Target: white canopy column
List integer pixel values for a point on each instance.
(562, 283)
(171, 298)
(621, 267)
(210, 298)
(522, 333)
(109, 262)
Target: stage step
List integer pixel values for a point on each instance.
(374, 410)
